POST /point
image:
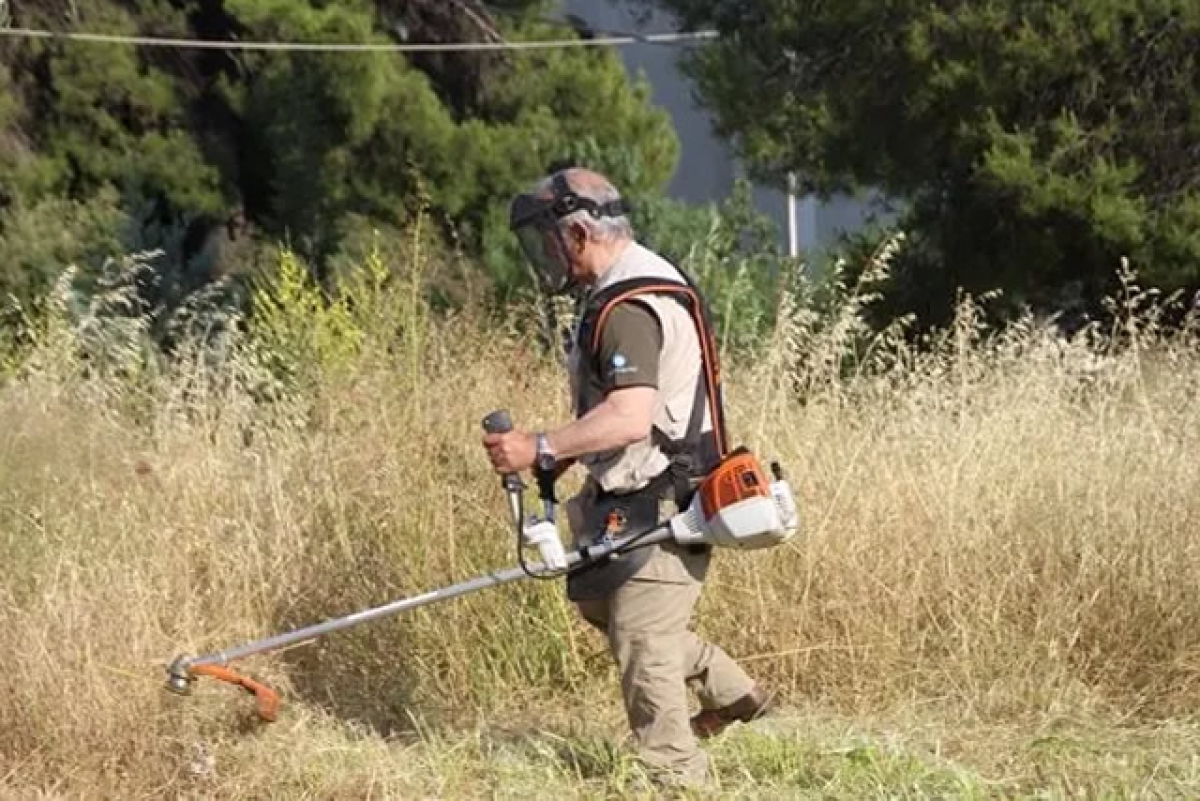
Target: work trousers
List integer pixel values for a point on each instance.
(646, 621)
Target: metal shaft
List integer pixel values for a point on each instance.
(484, 582)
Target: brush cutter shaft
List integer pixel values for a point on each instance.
(365, 616)
(484, 582)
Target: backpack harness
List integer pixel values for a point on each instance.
(693, 456)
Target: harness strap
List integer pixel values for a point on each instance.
(690, 298)
(694, 454)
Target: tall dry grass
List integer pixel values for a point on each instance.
(995, 528)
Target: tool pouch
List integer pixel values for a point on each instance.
(593, 515)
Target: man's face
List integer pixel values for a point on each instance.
(578, 257)
(559, 254)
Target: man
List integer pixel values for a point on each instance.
(644, 430)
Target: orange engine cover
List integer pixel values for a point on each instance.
(737, 478)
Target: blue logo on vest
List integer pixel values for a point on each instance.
(619, 361)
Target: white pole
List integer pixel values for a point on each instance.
(793, 231)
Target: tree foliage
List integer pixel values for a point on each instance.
(297, 146)
(1032, 144)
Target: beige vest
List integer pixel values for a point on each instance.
(632, 467)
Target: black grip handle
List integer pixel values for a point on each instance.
(545, 481)
(498, 422)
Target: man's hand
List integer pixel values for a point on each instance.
(511, 452)
(622, 418)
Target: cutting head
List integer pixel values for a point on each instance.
(181, 673)
(179, 676)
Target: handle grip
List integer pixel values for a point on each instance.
(498, 422)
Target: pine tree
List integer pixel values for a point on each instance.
(1031, 144)
(300, 144)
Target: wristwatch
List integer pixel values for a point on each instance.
(545, 457)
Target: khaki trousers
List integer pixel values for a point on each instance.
(646, 621)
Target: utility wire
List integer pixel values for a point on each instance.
(332, 47)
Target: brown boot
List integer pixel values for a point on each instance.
(753, 705)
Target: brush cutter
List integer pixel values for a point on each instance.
(736, 506)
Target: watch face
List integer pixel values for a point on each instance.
(545, 461)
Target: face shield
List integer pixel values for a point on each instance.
(535, 220)
(545, 250)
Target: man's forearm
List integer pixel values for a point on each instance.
(608, 426)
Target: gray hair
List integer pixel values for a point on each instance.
(600, 229)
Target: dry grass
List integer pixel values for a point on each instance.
(1000, 552)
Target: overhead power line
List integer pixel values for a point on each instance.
(340, 47)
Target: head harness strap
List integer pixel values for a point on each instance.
(568, 201)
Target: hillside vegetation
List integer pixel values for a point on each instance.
(994, 593)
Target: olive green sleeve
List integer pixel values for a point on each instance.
(630, 345)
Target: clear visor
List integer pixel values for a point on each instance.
(543, 247)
